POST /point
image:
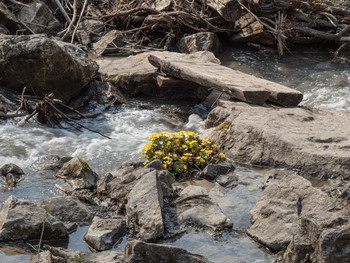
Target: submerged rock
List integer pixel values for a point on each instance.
(12, 172)
(137, 251)
(69, 209)
(22, 220)
(45, 65)
(313, 225)
(311, 141)
(195, 209)
(104, 233)
(78, 174)
(212, 171)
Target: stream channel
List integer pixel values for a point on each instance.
(325, 85)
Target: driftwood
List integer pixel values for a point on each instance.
(239, 85)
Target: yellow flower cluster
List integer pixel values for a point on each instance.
(181, 152)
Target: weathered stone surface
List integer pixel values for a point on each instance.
(44, 257)
(46, 65)
(237, 84)
(71, 256)
(118, 183)
(104, 233)
(38, 17)
(10, 168)
(69, 209)
(203, 41)
(137, 251)
(144, 207)
(78, 174)
(22, 220)
(212, 171)
(49, 162)
(89, 30)
(292, 212)
(226, 180)
(137, 76)
(312, 141)
(195, 209)
(112, 37)
(7, 19)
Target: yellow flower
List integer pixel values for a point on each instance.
(222, 155)
(185, 167)
(184, 146)
(145, 163)
(188, 154)
(159, 152)
(165, 165)
(184, 158)
(202, 160)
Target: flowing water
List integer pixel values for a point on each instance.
(325, 85)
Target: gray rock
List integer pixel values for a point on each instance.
(49, 162)
(203, 41)
(11, 168)
(118, 183)
(47, 65)
(295, 214)
(137, 251)
(136, 76)
(69, 209)
(104, 233)
(7, 19)
(38, 17)
(72, 256)
(311, 141)
(44, 257)
(144, 207)
(89, 30)
(226, 180)
(212, 171)
(195, 209)
(22, 220)
(78, 174)
(156, 164)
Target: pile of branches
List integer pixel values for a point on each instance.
(47, 110)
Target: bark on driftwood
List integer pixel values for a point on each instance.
(239, 85)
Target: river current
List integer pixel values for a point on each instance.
(325, 85)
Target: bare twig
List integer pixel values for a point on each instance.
(19, 3)
(63, 11)
(81, 14)
(73, 20)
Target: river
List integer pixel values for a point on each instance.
(325, 85)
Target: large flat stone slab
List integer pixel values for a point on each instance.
(314, 142)
(239, 85)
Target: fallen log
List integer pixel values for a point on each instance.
(239, 85)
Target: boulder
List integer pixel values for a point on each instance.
(195, 209)
(144, 206)
(104, 233)
(137, 251)
(314, 142)
(38, 17)
(203, 41)
(136, 76)
(72, 256)
(46, 65)
(78, 174)
(7, 19)
(22, 220)
(69, 209)
(313, 225)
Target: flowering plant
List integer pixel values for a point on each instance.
(181, 152)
